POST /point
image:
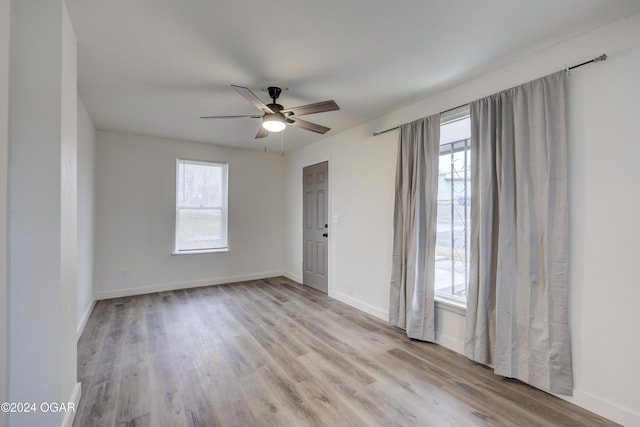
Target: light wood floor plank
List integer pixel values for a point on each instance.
(275, 353)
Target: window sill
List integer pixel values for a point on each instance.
(201, 251)
(452, 305)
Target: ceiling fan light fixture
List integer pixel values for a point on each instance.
(275, 117)
(273, 123)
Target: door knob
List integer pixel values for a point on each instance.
(325, 234)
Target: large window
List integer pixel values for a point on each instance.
(201, 206)
(454, 209)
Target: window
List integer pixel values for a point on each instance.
(453, 229)
(201, 206)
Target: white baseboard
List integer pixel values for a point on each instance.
(367, 308)
(117, 293)
(67, 421)
(443, 340)
(85, 318)
(292, 276)
(603, 407)
(450, 343)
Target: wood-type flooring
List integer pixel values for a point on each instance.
(275, 353)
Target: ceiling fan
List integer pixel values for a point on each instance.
(276, 117)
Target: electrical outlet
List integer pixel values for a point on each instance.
(124, 274)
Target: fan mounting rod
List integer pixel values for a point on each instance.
(274, 92)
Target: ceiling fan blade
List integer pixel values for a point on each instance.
(230, 117)
(262, 133)
(318, 107)
(303, 124)
(252, 98)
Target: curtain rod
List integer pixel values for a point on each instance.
(600, 58)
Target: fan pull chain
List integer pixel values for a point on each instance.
(281, 144)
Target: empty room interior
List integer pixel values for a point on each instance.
(360, 213)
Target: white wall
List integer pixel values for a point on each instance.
(5, 12)
(361, 183)
(42, 217)
(86, 173)
(68, 184)
(135, 213)
(604, 176)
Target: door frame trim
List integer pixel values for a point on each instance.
(314, 162)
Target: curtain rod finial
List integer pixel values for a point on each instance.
(602, 57)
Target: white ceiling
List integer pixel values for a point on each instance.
(153, 67)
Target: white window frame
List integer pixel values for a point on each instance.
(450, 302)
(224, 208)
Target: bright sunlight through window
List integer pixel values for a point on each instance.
(454, 209)
(201, 206)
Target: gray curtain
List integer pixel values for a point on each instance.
(411, 305)
(517, 306)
